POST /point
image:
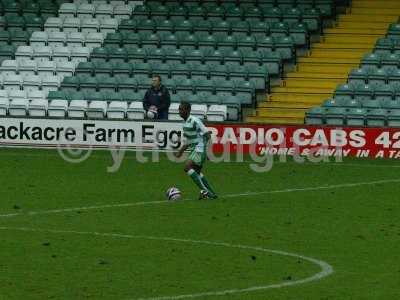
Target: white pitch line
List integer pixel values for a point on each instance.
(304, 189)
(326, 269)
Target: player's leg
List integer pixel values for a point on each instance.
(190, 169)
(198, 169)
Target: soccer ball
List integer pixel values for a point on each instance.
(152, 113)
(173, 193)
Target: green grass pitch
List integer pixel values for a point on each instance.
(345, 214)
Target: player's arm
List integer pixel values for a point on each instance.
(204, 131)
(181, 150)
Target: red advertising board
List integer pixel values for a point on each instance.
(306, 140)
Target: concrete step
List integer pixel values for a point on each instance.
(314, 99)
(316, 76)
(285, 104)
(276, 120)
(311, 83)
(362, 25)
(328, 60)
(375, 4)
(281, 112)
(368, 18)
(305, 90)
(349, 46)
(326, 68)
(351, 31)
(350, 39)
(337, 53)
(381, 11)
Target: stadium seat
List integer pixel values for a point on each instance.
(117, 110)
(77, 109)
(217, 113)
(31, 83)
(173, 114)
(17, 94)
(356, 117)
(57, 108)
(4, 104)
(18, 107)
(335, 116)
(315, 116)
(12, 82)
(97, 110)
(393, 118)
(9, 67)
(38, 108)
(27, 67)
(135, 111)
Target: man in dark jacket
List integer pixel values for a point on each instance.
(157, 96)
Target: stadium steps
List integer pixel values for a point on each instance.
(328, 62)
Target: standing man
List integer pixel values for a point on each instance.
(157, 99)
(196, 137)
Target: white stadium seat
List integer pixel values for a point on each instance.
(122, 12)
(4, 102)
(71, 25)
(42, 53)
(75, 39)
(79, 54)
(17, 94)
(38, 107)
(12, 82)
(9, 67)
(39, 38)
(117, 110)
(3, 94)
(97, 110)
(199, 110)
(56, 39)
(104, 11)
(67, 10)
(18, 107)
(217, 113)
(90, 25)
(77, 109)
(50, 83)
(61, 54)
(173, 113)
(53, 24)
(46, 68)
(57, 108)
(135, 111)
(31, 83)
(108, 25)
(94, 39)
(32, 95)
(65, 68)
(27, 67)
(85, 11)
(24, 52)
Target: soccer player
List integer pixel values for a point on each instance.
(196, 137)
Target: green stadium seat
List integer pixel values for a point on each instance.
(4, 38)
(271, 14)
(56, 95)
(15, 22)
(344, 91)
(242, 27)
(146, 25)
(246, 43)
(2, 23)
(390, 61)
(141, 10)
(161, 69)
(253, 12)
(85, 68)
(165, 26)
(156, 55)
(393, 118)
(135, 54)
(105, 83)
(71, 83)
(149, 40)
(206, 41)
(122, 69)
(315, 116)
(383, 92)
(185, 85)
(326, 7)
(141, 68)
(196, 13)
(358, 76)
(363, 92)
(384, 46)
(87, 83)
(226, 42)
(335, 116)
(99, 55)
(126, 84)
(7, 52)
(204, 26)
(299, 34)
(198, 71)
(265, 42)
(217, 12)
(393, 76)
(234, 14)
(378, 77)
(231, 57)
(31, 9)
(169, 41)
(113, 40)
(104, 68)
(258, 76)
(221, 26)
(187, 41)
(259, 28)
(117, 54)
(292, 15)
(376, 117)
(371, 104)
(203, 85)
(218, 72)
(175, 55)
(285, 47)
(272, 60)
(11, 8)
(34, 23)
(128, 26)
(393, 31)
(184, 26)
(371, 59)
(312, 18)
(356, 117)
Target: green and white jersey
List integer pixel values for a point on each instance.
(194, 134)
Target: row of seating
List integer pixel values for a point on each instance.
(257, 75)
(24, 23)
(70, 39)
(255, 28)
(374, 75)
(376, 103)
(270, 59)
(43, 8)
(96, 109)
(96, 10)
(203, 40)
(368, 91)
(21, 94)
(84, 25)
(45, 83)
(32, 67)
(202, 12)
(381, 60)
(57, 54)
(340, 116)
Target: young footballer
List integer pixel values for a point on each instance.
(196, 138)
